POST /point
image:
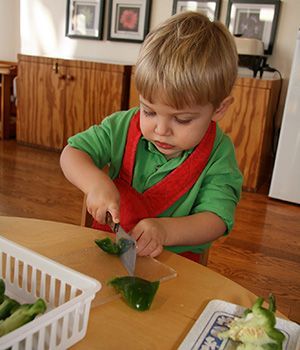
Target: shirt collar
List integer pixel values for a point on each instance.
(151, 148)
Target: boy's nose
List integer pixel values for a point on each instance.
(162, 128)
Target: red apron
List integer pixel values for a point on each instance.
(135, 206)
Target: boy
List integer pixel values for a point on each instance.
(176, 182)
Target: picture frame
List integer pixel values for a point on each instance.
(256, 19)
(129, 20)
(84, 19)
(210, 8)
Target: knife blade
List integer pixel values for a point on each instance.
(128, 257)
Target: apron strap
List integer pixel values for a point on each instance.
(133, 136)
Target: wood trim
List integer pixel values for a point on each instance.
(8, 71)
(107, 67)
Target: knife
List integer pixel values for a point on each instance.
(128, 257)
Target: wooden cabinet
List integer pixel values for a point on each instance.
(249, 123)
(58, 98)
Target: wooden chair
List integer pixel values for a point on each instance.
(204, 257)
(87, 220)
(86, 217)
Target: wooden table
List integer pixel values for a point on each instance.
(113, 325)
(7, 74)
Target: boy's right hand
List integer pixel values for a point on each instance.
(102, 200)
(101, 193)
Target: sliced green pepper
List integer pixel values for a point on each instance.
(108, 246)
(111, 247)
(137, 292)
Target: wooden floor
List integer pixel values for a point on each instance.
(262, 253)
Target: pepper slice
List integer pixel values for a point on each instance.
(137, 292)
(113, 248)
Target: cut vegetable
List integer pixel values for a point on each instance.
(256, 329)
(137, 292)
(113, 248)
(24, 314)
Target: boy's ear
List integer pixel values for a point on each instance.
(221, 110)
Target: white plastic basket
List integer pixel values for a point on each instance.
(68, 295)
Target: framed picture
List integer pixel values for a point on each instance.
(85, 19)
(210, 8)
(129, 20)
(254, 19)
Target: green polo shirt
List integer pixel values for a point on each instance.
(217, 190)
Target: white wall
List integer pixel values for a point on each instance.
(285, 42)
(9, 30)
(43, 33)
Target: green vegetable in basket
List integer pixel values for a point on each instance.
(256, 329)
(111, 247)
(24, 314)
(7, 307)
(137, 292)
(2, 290)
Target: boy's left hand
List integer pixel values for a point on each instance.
(150, 235)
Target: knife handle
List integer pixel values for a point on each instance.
(110, 223)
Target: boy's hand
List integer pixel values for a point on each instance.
(150, 235)
(101, 200)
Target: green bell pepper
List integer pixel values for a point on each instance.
(256, 329)
(137, 292)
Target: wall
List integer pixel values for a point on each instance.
(285, 43)
(43, 33)
(9, 30)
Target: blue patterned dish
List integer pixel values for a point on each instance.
(215, 318)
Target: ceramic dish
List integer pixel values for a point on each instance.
(217, 314)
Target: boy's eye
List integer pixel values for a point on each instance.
(149, 113)
(182, 121)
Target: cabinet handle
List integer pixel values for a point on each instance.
(62, 76)
(55, 67)
(69, 77)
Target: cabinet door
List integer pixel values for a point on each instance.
(41, 104)
(92, 94)
(248, 122)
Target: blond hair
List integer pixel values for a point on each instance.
(187, 60)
